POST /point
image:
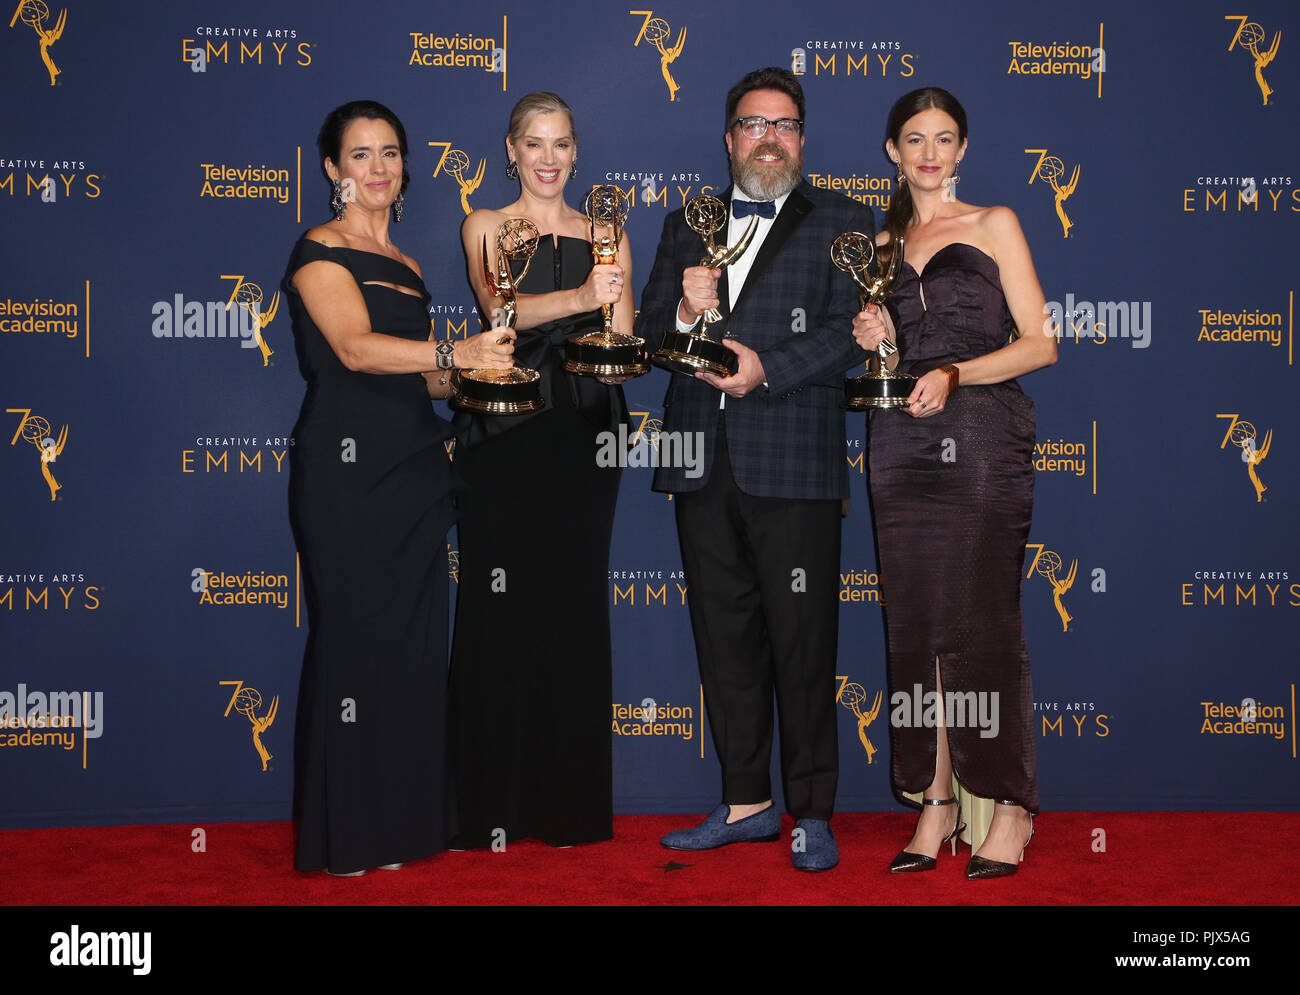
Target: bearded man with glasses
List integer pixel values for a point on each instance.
(760, 528)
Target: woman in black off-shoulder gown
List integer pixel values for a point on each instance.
(371, 500)
(952, 485)
(530, 683)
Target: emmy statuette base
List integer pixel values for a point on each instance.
(872, 391)
(498, 392)
(595, 355)
(689, 352)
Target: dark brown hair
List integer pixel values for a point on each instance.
(899, 215)
(771, 78)
(330, 139)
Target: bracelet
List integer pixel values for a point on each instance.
(954, 377)
(446, 351)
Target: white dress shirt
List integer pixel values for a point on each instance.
(738, 271)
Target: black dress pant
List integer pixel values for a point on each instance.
(764, 602)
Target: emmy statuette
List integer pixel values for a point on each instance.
(517, 390)
(610, 356)
(854, 253)
(687, 352)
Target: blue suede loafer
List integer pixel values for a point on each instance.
(713, 832)
(820, 852)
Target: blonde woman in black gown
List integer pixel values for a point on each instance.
(370, 499)
(952, 486)
(530, 674)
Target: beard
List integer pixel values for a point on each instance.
(767, 180)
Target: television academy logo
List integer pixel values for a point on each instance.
(1248, 326)
(1050, 169)
(462, 50)
(1249, 717)
(653, 719)
(655, 31)
(1060, 58)
(50, 718)
(1249, 36)
(246, 701)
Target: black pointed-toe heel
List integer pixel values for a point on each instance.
(908, 862)
(981, 868)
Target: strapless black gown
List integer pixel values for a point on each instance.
(371, 500)
(952, 498)
(530, 689)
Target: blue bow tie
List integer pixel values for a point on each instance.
(744, 208)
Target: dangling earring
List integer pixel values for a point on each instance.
(512, 169)
(336, 202)
(955, 178)
(397, 207)
(573, 170)
(901, 178)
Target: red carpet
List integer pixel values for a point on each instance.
(1163, 858)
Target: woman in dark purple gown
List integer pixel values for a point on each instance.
(952, 491)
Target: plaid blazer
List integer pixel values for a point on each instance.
(796, 311)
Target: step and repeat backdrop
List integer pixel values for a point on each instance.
(157, 163)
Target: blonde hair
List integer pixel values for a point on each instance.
(541, 102)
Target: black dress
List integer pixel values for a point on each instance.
(370, 498)
(529, 705)
(952, 497)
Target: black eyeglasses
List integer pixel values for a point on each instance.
(756, 126)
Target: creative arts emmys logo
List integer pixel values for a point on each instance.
(250, 51)
(33, 13)
(655, 30)
(1253, 452)
(852, 696)
(246, 701)
(36, 430)
(882, 52)
(454, 162)
(1047, 565)
(1249, 36)
(1050, 169)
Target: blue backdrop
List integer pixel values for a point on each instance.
(157, 163)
